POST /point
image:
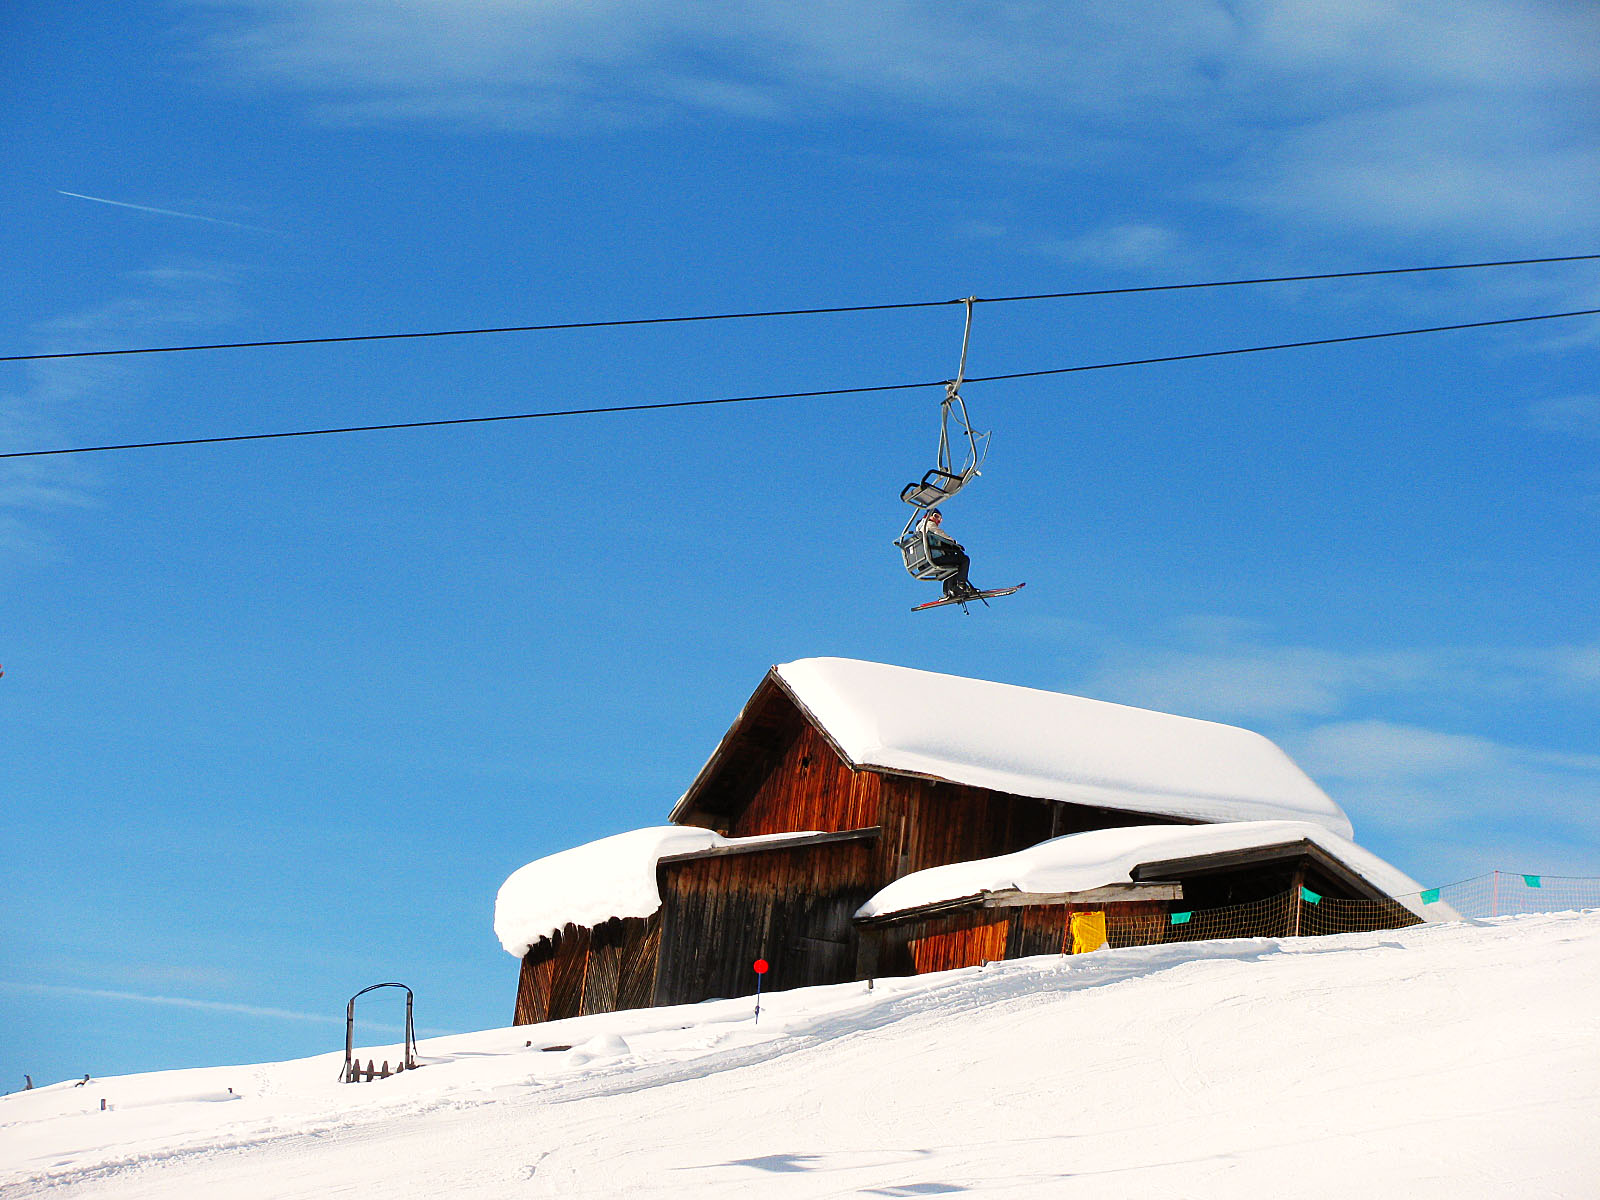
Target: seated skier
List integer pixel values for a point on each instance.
(945, 551)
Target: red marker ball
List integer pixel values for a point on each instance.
(760, 966)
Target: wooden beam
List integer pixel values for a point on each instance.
(786, 843)
(1286, 852)
(1111, 893)
(1114, 893)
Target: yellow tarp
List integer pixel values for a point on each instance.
(1088, 931)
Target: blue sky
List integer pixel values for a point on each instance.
(278, 718)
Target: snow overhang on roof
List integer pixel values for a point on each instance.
(1051, 746)
(590, 884)
(1082, 862)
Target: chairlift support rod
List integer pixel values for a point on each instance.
(952, 397)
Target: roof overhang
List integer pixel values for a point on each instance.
(802, 842)
(1229, 860)
(1115, 893)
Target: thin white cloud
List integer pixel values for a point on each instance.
(1567, 414)
(1455, 164)
(1255, 682)
(1497, 805)
(39, 415)
(1229, 671)
(1399, 115)
(1382, 750)
(57, 402)
(1124, 245)
(1443, 803)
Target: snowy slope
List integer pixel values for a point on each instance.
(1440, 1061)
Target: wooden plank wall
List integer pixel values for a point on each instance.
(928, 824)
(925, 823)
(970, 937)
(962, 940)
(1040, 929)
(809, 788)
(792, 907)
(801, 783)
(533, 985)
(581, 971)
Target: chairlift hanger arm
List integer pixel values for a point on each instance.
(953, 403)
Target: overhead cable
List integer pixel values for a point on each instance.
(844, 391)
(792, 312)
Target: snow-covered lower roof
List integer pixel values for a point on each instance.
(1080, 862)
(590, 884)
(1053, 746)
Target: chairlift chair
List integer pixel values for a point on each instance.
(913, 543)
(945, 479)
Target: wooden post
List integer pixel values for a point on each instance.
(1295, 899)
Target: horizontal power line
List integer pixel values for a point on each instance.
(845, 391)
(794, 312)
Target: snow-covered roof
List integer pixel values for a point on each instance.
(1080, 862)
(589, 884)
(1053, 746)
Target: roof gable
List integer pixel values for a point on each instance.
(1028, 742)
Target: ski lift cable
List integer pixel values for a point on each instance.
(796, 312)
(815, 394)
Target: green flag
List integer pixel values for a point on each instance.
(1309, 896)
(1181, 918)
(1532, 881)
(1431, 896)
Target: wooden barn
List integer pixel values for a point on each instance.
(840, 777)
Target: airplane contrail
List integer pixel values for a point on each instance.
(247, 1010)
(244, 1010)
(165, 212)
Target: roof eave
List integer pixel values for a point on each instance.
(688, 804)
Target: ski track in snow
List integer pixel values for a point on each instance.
(1438, 1061)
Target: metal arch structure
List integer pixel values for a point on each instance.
(946, 478)
(346, 1074)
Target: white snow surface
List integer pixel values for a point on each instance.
(1080, 861)
(1054, 746)
(612, 877)
(1429, 1063)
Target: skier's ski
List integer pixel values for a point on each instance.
(990, 594)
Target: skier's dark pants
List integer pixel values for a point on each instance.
(958, 559)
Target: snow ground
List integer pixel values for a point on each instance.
(1439, 1061)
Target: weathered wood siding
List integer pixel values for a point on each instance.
(928, 824)
(792, 907)
(581, 971)
(962, 940)
(808, 787)
(972, 936)
(781, 775)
